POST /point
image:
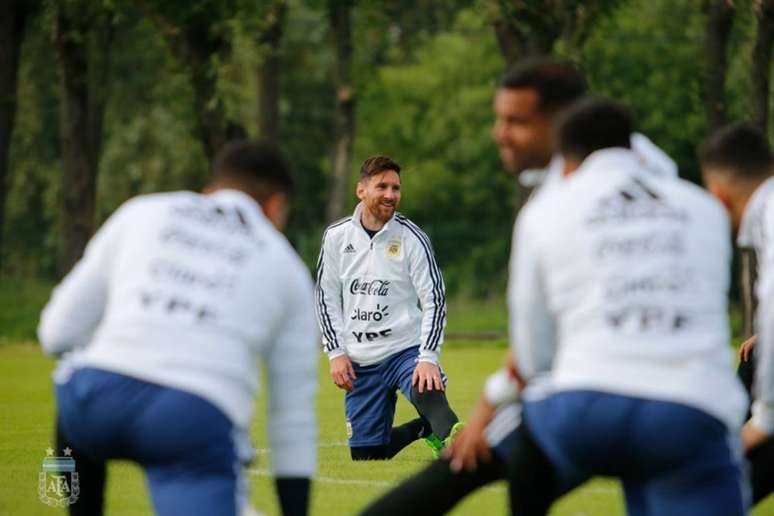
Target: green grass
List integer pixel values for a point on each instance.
(26, 412)
(466, 315)
(343, 487)
(20, 304)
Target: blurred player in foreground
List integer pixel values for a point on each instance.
(163, 318)
(622, 291)
(381, 305)
(737, 165)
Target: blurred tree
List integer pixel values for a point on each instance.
(83, 33)
(720, 20)
(532, 27)
(761, 62)
(199, 35)
(387, 32)
(422, 72)
(31, 233)
(340, 15)
(433, 114)
(13, 21)
(536, 27)
(649, 55)
(270, 39)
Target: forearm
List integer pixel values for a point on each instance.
(74, 311)
(293, 494)
(428, 284)
(293, 423)
(329, 316)
(763, 405)
(335, 353)
(501, 388)
(292, 365)
(482, 414)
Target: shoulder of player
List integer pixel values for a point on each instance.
(337, 228)
(411, 232)
(157, 200)
(763, 198)
(546, 210)
(765, 206)
(695, 198)
(282, 259)
(143, 206)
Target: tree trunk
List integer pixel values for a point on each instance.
(83, 44)
(525, 29)
(761, 63)
(13, 15)
(196, 39)
(211, 123)
(509, 40)
(269, 73)
(720, 19)
(344, 116)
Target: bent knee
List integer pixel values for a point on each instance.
(369, 453)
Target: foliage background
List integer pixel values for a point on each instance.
(423, 74)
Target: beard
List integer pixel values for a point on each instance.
(517, 160)
(382, 211)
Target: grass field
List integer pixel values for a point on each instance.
(342, 487)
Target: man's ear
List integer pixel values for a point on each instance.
(569, 165)
(719, 190)
(275, 207)
(360, 189)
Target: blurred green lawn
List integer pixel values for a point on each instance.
(26, 413)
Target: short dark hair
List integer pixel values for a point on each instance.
(557, 83)
(741, 148)
(259, 163)
(376, 165)
(592, 124)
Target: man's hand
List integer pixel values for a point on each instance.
(752, 436)
(746, 348)
(470, 446)
(427, 376)
(342, 372)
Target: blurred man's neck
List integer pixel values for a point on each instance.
(369, 221)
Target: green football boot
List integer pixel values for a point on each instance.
(435, 444)
(459, 425)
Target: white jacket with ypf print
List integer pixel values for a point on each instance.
(619, 284)
(378, 296)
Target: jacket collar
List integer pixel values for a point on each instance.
(357, 221)
(252, 209)
(611, 160)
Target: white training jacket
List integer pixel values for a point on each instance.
(649, 155)
(369, 291)
(752, 230)
(622, 282)
(756, 232)
(187, 291)
(751, 240)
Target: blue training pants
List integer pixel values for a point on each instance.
(185, 444)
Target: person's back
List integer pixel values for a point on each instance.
(622, 280)
(636, 278)
(176, 297)
(197, 286)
